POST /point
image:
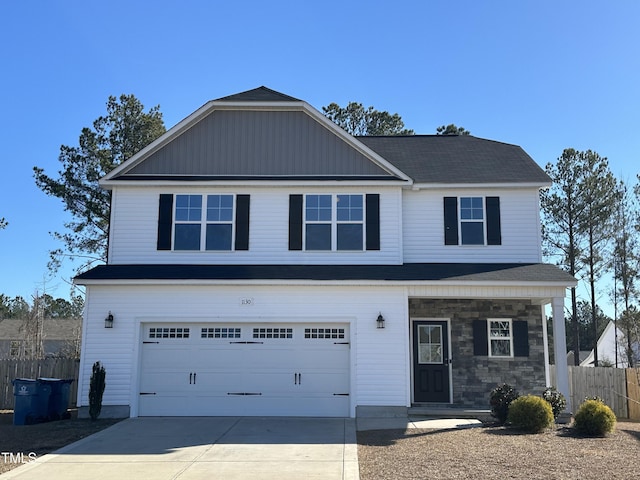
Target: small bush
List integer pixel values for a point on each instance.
(96, 389)
(500, 399)
(530, 413)
(594, 418)
(556, 400)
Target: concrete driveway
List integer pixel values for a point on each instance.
(189, 448)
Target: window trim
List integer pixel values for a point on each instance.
(334, 222)
(510, 337)
(203, 222)
(483, 221)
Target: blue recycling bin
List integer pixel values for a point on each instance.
(59, 397)
(31, 401)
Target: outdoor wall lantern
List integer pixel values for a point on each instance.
(380, 321)
(108, 322)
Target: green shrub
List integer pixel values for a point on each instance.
(594, 418)
(530, 413)
(500, 398)
(556, 400)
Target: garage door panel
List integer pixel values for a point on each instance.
(247, 369)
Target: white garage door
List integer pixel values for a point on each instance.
(245, 369)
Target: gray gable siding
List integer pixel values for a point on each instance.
(250, 143)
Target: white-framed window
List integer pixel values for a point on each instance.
(15, 348)
(472, 218)
(500, 334)
(334, 222)
(204, 222)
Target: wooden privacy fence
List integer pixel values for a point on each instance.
(618, 387)
(10, 369)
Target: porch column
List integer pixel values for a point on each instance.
(560, 350)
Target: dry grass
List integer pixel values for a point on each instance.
(42, 438)
(497, 452)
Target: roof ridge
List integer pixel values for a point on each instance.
(259, 94)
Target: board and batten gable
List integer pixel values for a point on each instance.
(424, 231)
(252, 143)
(378, 373)
(134, 231)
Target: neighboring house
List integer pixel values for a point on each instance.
(608, 343)
(60, 337)
(262, 261)
(571, 360)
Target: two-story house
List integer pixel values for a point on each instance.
(262, 261)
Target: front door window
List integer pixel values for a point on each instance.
(429, 344)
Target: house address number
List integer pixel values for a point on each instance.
(247, 301)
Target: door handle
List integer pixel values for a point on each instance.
(297, 379)
(190, 378)
(194, 378)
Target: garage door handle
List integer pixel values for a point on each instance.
(190, 378)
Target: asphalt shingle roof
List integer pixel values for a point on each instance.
(411, 272)
(260, 94)
(450, 159)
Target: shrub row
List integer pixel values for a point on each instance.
(535, 414)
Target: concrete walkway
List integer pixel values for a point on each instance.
(188, 448)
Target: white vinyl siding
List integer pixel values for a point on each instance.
(135, 228)
(423, 227)
(379, 373)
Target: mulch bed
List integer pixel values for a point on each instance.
(498, 452)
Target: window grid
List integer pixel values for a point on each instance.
(273, 333)
(500, 337)
(220, 332)
(326, 333)
(211, 231)
(472, 221)
(168, 332)
(334, 222)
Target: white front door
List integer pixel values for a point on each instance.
(244, 369)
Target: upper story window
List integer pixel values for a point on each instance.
(334, 222)
(472, 221)
(203, 222)
(342, 222)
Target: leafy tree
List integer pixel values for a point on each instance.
(357, 120)
(598, 188)
(562, 211)
(3, 223)
(452, 129)
(113, 138)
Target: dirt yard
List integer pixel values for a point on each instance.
(17, 442)
(493, 452)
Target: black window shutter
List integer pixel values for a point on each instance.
(480, 338)
(450, 220)
(295, 222)
(373, 222)
(493, 221)
(520, 338)
(242, 222)
(165, 219)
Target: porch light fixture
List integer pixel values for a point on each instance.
(108, 322)
(380, 321)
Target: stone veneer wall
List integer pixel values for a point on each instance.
(475, 376)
